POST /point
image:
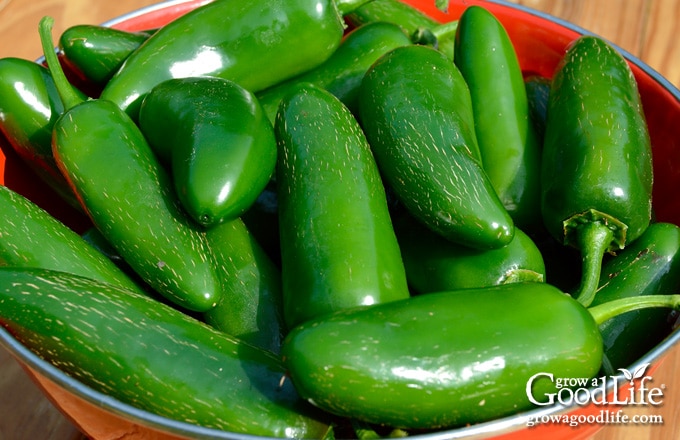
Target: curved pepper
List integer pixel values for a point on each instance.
(338, 247)
(648, 266)
(151, 356)
(435, 265)
(341, 74)
(597, 161)
(128, 195)
(507, 142)
(96, 52)
(217, 142)
(415, 109)
(256, 44)
(29, 106)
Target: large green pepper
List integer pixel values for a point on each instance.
(29, 106)
(250, 305)
(256, 44)
(415, 23)
(648, 266)
(217, 141)
(597, 161)
(31, 237)
(507, 142)
(151, 356)
(415, 108)
(453, 358)
(128, 195)
(341, 74)
(96, 52)
(338, 246)
(435, 265)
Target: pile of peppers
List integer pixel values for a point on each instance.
(378, 226)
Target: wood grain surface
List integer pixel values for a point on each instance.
(645, 28)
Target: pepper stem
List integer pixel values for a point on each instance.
(67, 93)
(605, 311)
(593, 239)
(347, 6)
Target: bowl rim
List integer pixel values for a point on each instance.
(496, 427)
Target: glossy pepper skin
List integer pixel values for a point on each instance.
(31, 237)
(648, 266)
(29, 106)
(236, 40)
(597, 163)
(128, 195)
(338, 246)
(416, 24)
(250, 306)
(102, 335)
(96, 52)
(415, 109)
(217, 142)
(341, 74)
(435, 265)
(447, 358)
(507, 141)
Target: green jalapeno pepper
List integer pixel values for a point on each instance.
(31, 237)
(216, 140)
(508, 145)
(419, 26)
(29, 106)
(338, 247)
(434, 265)
(96, 52)
(128, 195)
(597, 162)
(151, 356)
(482, 348)
(341, 74)
(648, 266)
(538, 92)
(415, 109)
(240, 41)
(250, 305)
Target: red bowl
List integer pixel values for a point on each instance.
(540, 41)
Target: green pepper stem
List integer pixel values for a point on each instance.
(593, 239)
(67, 93)
(347, 6)
(605, 311)
(445, 31)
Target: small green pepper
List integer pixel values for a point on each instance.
(507, 142)
(29, 106)
(434, 265)
(415, 109)
(648, 266)
(338, 247)
(96, 52)
(151, 356)
(256, 44)
(216, 140)
(250, 305)
(597, 162)
(341, 74)
(538, 92)
(419, 26)
(452, 358)
(128, 195)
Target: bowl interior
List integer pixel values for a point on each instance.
(540, 41)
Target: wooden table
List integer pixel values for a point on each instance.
(645, 28)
